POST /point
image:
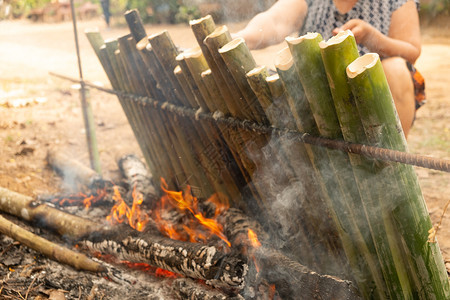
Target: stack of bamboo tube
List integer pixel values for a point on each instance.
(345, 212)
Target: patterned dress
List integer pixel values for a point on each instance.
(323, 17)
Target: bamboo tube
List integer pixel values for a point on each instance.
(216, 40)
(53, 251)
(375, 105)
(228, 171)
(214, 91)
(311, 72)
(185, 154)
(135, 24)
(239, 61)
(167, 57)
(333, 192)
(202, 28)
(337, 53)
(153, 125)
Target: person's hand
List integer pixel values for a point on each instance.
(364, 32)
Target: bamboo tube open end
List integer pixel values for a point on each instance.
(298, 40)
(232, 45)
(195, 52)
(361, 64)
(257, 70)
(283, 60)
(91, 30)
(142, 44)
(206, 73)
(337, 39)
(177, 70)
(207, 18)
(273, 78)
(158, 34)
(218, 32)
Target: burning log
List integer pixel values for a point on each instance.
(188, 259)
(407, 211)
(73, 171)
(53, 251)
(186, 288)
(139, 179)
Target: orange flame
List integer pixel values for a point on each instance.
(80, 198)
(253, 238)
(187, 202)
(121, 212)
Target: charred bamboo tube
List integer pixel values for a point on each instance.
(156, 157)
(31, 210)
(104, 52)
(333, 193)
(167, 58)
(216, 40)
(311, 72)
(53, 251)
(375, 105)
(195, 66)
(302, 177)
(135, 24)
(201, 29)
(337, 53)
(184, 152)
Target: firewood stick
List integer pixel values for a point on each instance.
(138, 177)
(189, 259)
(53, 251)
(186, 288)
(31, 210)
(72, 170)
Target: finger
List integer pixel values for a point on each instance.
(337, 30)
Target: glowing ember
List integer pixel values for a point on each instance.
(80, 199)
(187, 202)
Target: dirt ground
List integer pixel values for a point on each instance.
(53, 118)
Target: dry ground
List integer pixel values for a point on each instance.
(29, 51)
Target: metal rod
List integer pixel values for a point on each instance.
(86, 105)
(368, 151)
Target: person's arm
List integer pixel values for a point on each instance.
(272, 26)
(402, 40)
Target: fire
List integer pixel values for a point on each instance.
(121, 212)
(253, 238)
(186, 202)
(80, 199)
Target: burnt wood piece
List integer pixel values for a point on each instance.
(188, 259)
(295, 281)
(140, 180)
(73, 171)
(186, 288)
(42, 215)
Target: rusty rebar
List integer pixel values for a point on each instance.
(382, 154)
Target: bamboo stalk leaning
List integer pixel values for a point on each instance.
(408, 211)
(308, 60)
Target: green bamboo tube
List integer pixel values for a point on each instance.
(216, 40)
(337, 53)
(214, 91)
(311, 72)
(191, 84)
(375, 104)
(202, 28)
(239, 61)
(333, 192)
(183, 80)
